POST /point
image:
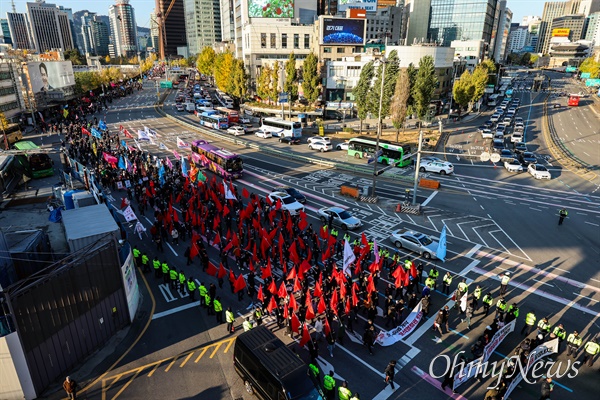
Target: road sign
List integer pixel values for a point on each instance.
(495, 157)
(571, 69)
(592, 82)
(485, 156)
(283, 97)
(585, 75)
(379, 153)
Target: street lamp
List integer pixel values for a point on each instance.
(452, 88)
(379, 120)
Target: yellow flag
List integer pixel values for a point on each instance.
(65, 113)
(94, 148)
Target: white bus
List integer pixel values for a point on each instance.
(279, 127)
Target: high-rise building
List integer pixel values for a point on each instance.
(95, 34)
(18, 24)
(50, 27)
(388, 20)
(502, 31)
(202, 24)
(123, 28)
(593, 29)
(153, 32)
(419, 16)
(174, 24)
(517, 38)
(227, 20)
(5, 33)
(86, 32)
(573, 24)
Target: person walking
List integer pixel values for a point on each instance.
(591, 349)
(529, 323)
(487, 302)
(70, 387)
(218, 309)
(562, 214)
(504, 279)
(230, 319)
(329, 386)
(314, 370)
(173, 275)
(369, 338)
(468, 315)
(330, 342)
(441, 319)
(547, 388)
(390, 373)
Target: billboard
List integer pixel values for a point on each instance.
(343, 31)
(562, 32)
(50, 75)
(368, 5)
(271, 8)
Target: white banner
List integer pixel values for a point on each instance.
(139, 228)
(410, 323)
(228, 194)
(129, 214)
(471, 368)
(536, 355)
(349, 257)
(142, 135)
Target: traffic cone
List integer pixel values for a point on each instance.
(398, 207)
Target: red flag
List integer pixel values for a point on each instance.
(323, 232)
(239, 284)
(398, 281)
(282, 291)
(347, 307)
(127, 134)
(272, 287)
(292, 274)
(293, 304)
(363, 240)
(217, 238)
(321, 306)
(318, 292)
(124, 202)
(286, 312)
(278, 204)
(295, 323)
(266, 272)
(326, 327)
(225, 211)
(334, 301)
(305, 336)
(371, 284)
(194, 251)
(211, 270)
(85, 131)
(304, 268)
(354, 296)
(413, 270)
(327, 254)
(272, 304)
(245, 193)
(294, 254)
(221, 272)
(302, 224)
(260, 294)
(310, 312)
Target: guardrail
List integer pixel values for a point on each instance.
(560, 152)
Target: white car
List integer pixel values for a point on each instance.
(415, 241)
(338, 216)
(245, 120)
(487, 134)
(179, 107)
(320, 145)
(288, 203)
(513, 165)
(440, 167)
(516, 137)
(538, 171)
(342, 146)
(236, 130)
(320, 139)
(263, 134)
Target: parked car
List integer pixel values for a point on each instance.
(342, 146)
(341, 217)
(288, 203)
(415, 241)
(513, 165)
(320, 145)
(289, 140)
(325, 139)
(440, 167)
(236, 130)
(292, 192)
(538, 171)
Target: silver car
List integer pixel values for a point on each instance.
(341, 217)
(415, 241)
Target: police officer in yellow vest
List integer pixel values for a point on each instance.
(487, 302)
(230, 319)
(343, 392)
(313, 370)
(573, 344)
(247, 325)
(209, 306)
(191, 287)
(181, 277)
(145, 262)
(529, 323)
(156, 265)
(501, 306)
(136, 256)
(355, 396)
(334, 232)
(562, 214)
(447, 282)
(544, 326)
(560, 333)
(430, 282)
(476, 297)
(504, 279)
(434, 274)
(165, 272)
(591, 349)
(203, 293)
(329, 386)
(173, 275)
(218, 309)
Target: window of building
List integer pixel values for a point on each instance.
(263, 40)
(341, 50)
(273, 41)
(296, 41)
(326, 49)
(307, 41)
(284, 40)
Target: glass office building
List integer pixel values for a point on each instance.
(462, 20)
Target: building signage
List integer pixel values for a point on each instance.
(343, 31)
(50, 75)
(270, 9)
(368, 5)
(562, 32)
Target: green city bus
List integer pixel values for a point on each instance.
(392, 154)
(36, 163)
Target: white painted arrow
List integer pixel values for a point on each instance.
(326, 367)
(354, 337)
(437, 340)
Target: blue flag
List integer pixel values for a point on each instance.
(121, 163)
(441, 250)
(161, 175)
(96, 133)
(124, 144)
(184, 169)
(102, 125)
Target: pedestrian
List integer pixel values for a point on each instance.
(529, 323)
(329, 386)
(70, 387)
(591, 349)
(390, 372)
(562, 214)
(137, 255)
(447, 280)
(448, 380)
(330, 342)
(181, 278)
(547, 387)
(145, 262)
(319, 329)
(314, 370)
(156, 266)
(175, 235)
(258, 316)
(343, 392)
(504, 279)
(203, 292)
(165, 272)
(573, 344)
(369, 338)
(440, 320)
(173, 276)
(230, 319)
(487, 302)
(468, 315)
(218, 309)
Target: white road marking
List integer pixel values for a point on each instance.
(473, 251)
(543, 283)
(174, 252)
(535, 209)
(585, 297)
(591, 223)
(431, 196)
(166, 292)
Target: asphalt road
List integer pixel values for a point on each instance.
(496, 222)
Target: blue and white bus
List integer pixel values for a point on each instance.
(281, 128)
(214, 121)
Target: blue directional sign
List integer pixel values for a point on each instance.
(283, 97)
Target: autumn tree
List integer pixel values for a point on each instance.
(263, 83)
(239, 80)
(274, 88)
(311, 78)
(223, 67)
(590, 66)
(399, 104)
(206, 61)
(361, 91)
(463, 89)
(3, 127)
(291, 78)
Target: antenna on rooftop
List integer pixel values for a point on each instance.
(14, 8)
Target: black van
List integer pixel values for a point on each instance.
(270, 370)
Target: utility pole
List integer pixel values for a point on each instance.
(379, 127)
(414, 199)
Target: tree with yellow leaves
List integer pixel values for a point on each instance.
(223, 68)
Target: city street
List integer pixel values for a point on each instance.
(496, 222)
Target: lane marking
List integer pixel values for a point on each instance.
(585, 297)
(186, 360)
(543, 283)
(473, 250)
(176, 310)
(436, 384)
(431, 196)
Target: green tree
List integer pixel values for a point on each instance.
(274, 88)
(74, 56)
(590, 66)
(291, 78)
(412, 77)
(206, 61)
(223, 67)
(389, 83)
(311, 79)
(480, 80)
(239, 80)
(362, 89)
(263, 82)
(86, 81)
(399, 104)
(463, 90)
(3, 127)
(425, 85)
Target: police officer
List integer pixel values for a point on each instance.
(487, 302)
(203, 292)
(504, 279)
(173, 275)
(218, 309)
(313, 369)
(209, 304)
(573, 344)
(191, 287)
(181, 278)
(447, 282)
(230, 319)
(591, 349)
(544, 326)
(560, 333)
(501, 307)
(434, 273)
(165, 272)
(136, 256)
(145, 262)
(156, 265)
(562, 214)
(247, 325)
(329, 386)
(430, 282)
(529, 323)
(476, 297)
(343, 392)
(511, 313)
